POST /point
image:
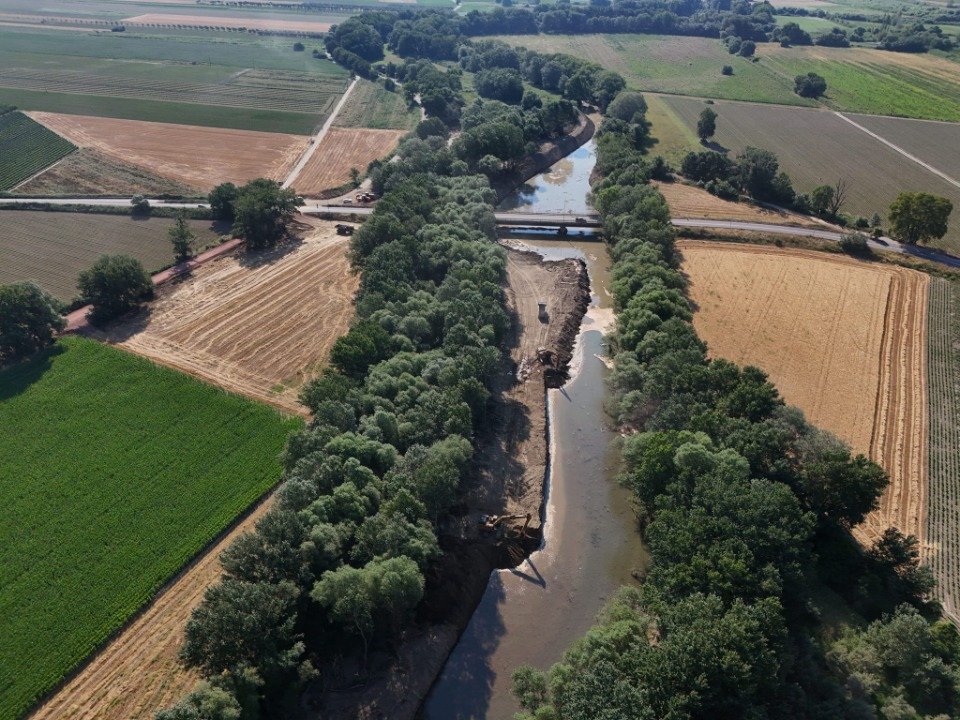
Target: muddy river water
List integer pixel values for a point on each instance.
(531, 614)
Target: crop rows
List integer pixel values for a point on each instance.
(942, 549)
(26, 148)
(303, 97)
(109, 488)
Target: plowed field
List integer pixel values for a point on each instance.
(256, 325)
(843, 340)
(341, 150)
(197, 156)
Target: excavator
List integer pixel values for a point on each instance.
(492, 522)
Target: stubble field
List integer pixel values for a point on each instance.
(687, 201)
(844, 341)
(341, 150)
(258, 325)
(201, 157)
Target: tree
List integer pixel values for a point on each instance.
(757, 170)
(181, 237)
(221, 200)
(839, 197)
(707, 124)
(262, 211)
(917, 217)
(114, 285)
(205, 702)
(627, 106)
(840, 488)
(355, 177)
(726, 70)
(298, 47)
(810, 85)
(139, 206)
(821, 199)
(29, 317)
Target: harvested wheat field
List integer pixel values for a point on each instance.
(137, 673)
(686, 201)
(843, 340)
(341, 150)
(197, 156)
(257, 325)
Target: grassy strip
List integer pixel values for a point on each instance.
(108, 488)
(295, 123)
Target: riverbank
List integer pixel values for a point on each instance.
(548, 155)
(511, 466)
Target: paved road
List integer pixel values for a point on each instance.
(884, 243)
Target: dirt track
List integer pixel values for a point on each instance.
(258, 325)
(842, 339)
(197, 156)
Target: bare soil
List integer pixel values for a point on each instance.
(844, 340)
(200, 157)
(91, 172)
(256, 324)
(339, 151)
(511, 470)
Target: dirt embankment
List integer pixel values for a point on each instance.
(511, 466)
(549, 153)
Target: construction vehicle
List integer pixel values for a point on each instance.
(365, 197)
(344, 229)
(492, 522)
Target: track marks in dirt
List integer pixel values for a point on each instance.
(257, 325)
(843, 340)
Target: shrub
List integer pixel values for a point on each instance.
(726, 70)
(139, 206)
(810, 85)
(854, 244)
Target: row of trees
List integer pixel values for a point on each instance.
(744, 504)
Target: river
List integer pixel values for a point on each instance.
(531, 614)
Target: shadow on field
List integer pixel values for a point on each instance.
(17, 378)
(715, 146)
(253, 259)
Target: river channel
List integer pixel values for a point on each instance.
(531, 614)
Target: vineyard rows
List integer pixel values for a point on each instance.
(261, 93)
(26, 148)
(942, 549)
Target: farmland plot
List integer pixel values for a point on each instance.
(108, 488)
(686, 201)
(817, 147)
(26, 148)
(371, 106)
(845, 341)
(341, 150)
(942, 550)
(201, 157)
(90, 172)
(52, 248)
(257, 325)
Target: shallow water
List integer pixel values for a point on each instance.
(562, 189)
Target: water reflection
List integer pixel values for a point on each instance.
(562, 189)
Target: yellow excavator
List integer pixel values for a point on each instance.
(492, 522)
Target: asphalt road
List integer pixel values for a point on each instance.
(883, 243)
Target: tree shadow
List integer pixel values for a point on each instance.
(16, 379)
(253, 259)
(715, 146)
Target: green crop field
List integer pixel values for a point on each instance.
(943, 469)
(26, 148)
(370, 106)
(192, 81)
(52, 248)
(858, 79)
(815, 147)
(108, 488)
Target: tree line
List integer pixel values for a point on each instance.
(747, 511)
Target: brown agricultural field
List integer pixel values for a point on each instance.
(687, 201)
(258, 325)
(197, 156)
(843, 340)
(341, 150)
(91, 172)
(216, 21)
(52, 248)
